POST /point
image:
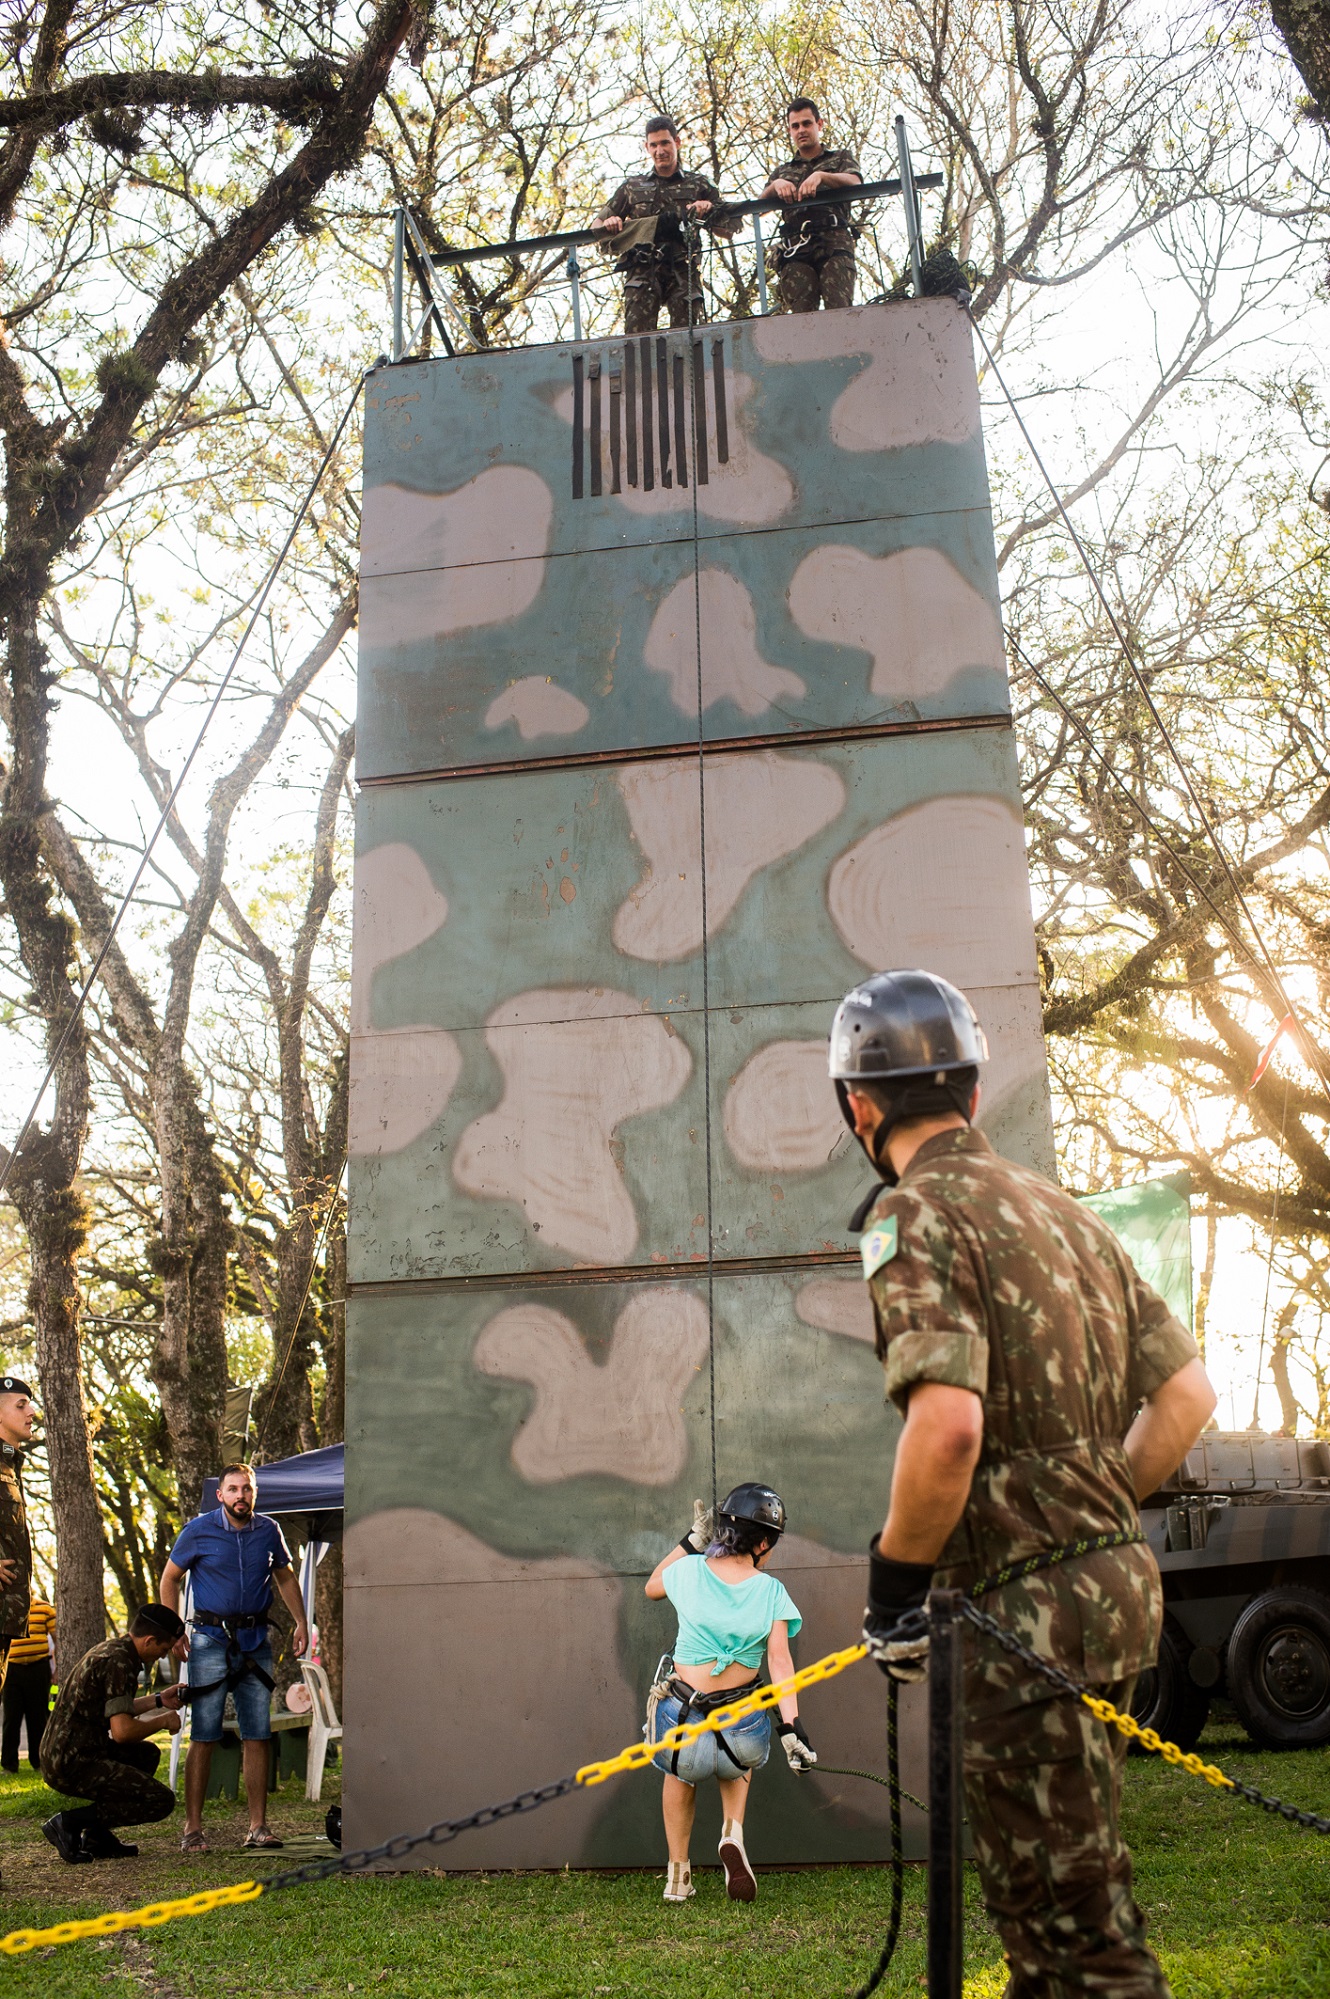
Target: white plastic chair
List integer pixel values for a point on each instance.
(324, 1727)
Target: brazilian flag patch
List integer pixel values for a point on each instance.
(878, 1245)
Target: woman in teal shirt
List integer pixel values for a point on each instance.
(730, 1613)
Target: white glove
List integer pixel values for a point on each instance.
(799, 1751)
(702, 1532)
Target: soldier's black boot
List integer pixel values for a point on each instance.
(67, 1837)
(100, 1843)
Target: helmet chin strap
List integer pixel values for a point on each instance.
(874, 1144)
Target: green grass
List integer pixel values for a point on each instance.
(1237, 1901)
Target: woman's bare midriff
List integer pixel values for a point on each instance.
(701, 1678)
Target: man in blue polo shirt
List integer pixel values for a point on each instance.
(236, 1557)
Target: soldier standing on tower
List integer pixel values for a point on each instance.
(817, 245)
(1045, 1390)
(647, 210)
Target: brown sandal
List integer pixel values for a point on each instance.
(193, 1842)
(261, 1836)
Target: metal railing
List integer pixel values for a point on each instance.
(413, 260)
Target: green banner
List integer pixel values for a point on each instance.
(1152, 1221)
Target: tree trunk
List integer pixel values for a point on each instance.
(55, 1232)
(43, 1172)
(190, 1256)
(1305, 27)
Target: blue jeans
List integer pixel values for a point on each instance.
(749, 1744)
(207, 1662)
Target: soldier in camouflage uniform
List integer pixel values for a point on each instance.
(95, 1745)
(647, 209)
(1045, 1390)
(816, 247)
(18, 1413)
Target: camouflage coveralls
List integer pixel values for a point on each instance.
(816, 247)
(16, 1547)
(992, 1279)
(79, 1756)
(661, 273)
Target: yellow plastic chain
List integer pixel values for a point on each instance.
(635, 1757)
(1194, 1765)
(639, 1754)
(145, 1918)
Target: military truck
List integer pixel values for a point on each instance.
(1242, 1535)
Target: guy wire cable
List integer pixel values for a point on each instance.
(1235, 935)
(691, 238)
(1310, 1052)
(176, 789)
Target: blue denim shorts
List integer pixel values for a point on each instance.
(207, 1662)
(749, 1744)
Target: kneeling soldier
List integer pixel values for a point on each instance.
(95, 1742)
(816, 244)
(646, 209)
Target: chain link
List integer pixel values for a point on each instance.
(117, 1920)
(1127, 1725)
(403, 1843)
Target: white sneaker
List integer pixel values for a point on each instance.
(740, 1880)
(679, 1882)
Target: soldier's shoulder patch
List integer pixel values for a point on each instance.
(878, 1245)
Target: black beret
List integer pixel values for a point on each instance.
(11, 1385)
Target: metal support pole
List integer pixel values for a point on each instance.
(574, 277)
(913, 223)
(399, 280)
(761, 264)
(946, 1907)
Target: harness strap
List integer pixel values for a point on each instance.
(694, 1701)
(239, 1665)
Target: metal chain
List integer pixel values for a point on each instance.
(1127, 1725)
(406, 1842)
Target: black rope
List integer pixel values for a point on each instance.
(1072, 1551)
(1308, 1047)
(897, 1861)
(1310, 1821)
(406, 1842)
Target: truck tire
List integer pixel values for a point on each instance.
(1279, 1668)
(1167, 1699)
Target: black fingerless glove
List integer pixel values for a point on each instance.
(894, 1587)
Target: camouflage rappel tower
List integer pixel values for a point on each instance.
(682, 704)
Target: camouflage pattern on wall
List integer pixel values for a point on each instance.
(599, 1256)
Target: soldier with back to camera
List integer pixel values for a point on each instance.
(1045, 1390)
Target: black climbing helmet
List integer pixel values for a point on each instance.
(911, 1030)
(756, 1503)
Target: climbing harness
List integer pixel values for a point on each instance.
(692, 1701)
(239, 1664)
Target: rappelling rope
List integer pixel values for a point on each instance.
(691, 238)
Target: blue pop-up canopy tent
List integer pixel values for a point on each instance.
(314, 1482)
